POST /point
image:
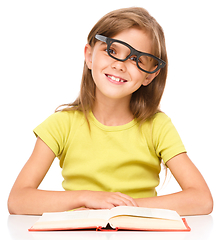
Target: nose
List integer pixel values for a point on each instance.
(118, 65)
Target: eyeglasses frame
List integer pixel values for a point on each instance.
(133, 51)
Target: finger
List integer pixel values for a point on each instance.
(82, 209)
(128, 200)
(107, 205)
(117, 200)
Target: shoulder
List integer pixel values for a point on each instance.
(154, 128)
(160, 118)
(160, 129)
(164, 136)
(161, 124)
(55, 130)
(61, 121)
(157, 121)
(65, 117)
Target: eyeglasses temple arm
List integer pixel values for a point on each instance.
(101, 38)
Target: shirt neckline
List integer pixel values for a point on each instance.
(111, 128)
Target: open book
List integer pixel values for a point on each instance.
(123, 218)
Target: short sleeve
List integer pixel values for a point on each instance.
(54, 131)
(166, 140)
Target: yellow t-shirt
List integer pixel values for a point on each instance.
(122, 158)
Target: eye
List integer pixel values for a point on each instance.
(111, 51)
(134, 58)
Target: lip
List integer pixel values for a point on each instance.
(115, 82)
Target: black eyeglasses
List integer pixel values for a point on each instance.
(122, 51)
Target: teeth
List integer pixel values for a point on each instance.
(115, 79)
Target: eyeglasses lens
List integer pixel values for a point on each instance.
(121, 52)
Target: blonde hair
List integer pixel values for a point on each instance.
(145, 101)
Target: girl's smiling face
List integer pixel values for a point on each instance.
(115, 79)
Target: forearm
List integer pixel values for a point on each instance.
(35, 202)
(186, 202)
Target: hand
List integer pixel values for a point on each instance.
(106, 200)
(81, 209)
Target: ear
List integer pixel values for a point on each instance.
(150, 78)
(88, 55)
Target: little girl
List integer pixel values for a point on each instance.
(111, 140)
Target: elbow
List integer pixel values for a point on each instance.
(13, 206)
(10, 206)
(199, 203)
(206, 204)
(209, 205)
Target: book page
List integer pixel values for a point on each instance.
(72, 215)
(141, 223)
(144, 212)
(99, 214)
(72, 220)
(107, 214)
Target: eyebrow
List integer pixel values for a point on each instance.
(103, 43)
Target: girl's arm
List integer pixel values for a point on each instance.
(195, 197)
(25, 198)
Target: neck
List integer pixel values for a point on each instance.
(112, 112)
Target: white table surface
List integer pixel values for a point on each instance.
(202, 227)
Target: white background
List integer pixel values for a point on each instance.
(41, 62)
